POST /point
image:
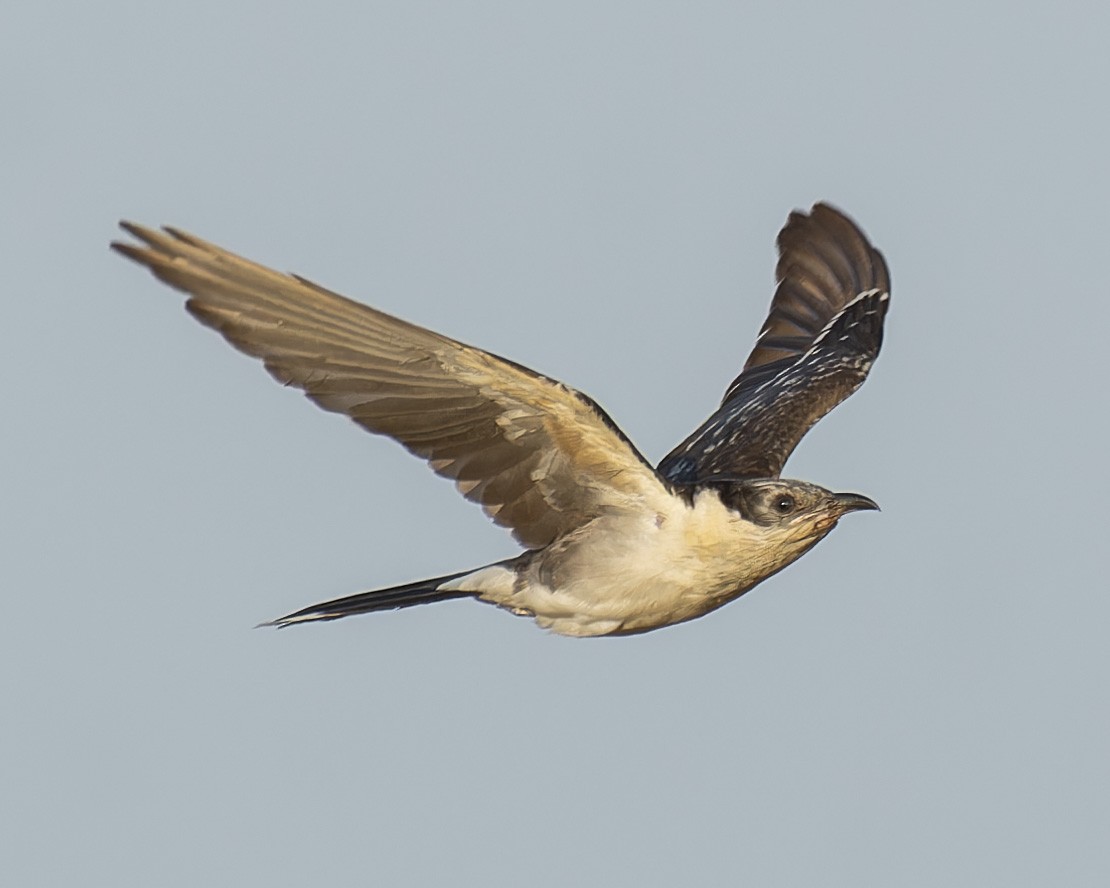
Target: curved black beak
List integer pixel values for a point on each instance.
(854, 502)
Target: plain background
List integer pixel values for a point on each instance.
(592, 189)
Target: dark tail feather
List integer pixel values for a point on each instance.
(420, 592)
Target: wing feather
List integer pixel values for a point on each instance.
(822, 333)
(539, 457)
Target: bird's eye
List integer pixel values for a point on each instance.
(784, 504)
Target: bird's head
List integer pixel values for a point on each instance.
(796, 513)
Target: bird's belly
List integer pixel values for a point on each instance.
(632, 578)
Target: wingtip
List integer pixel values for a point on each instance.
(824, 208)
(139, 232)
(123, 246)
(134, 251)
(154, 236)
(131, 251)
(184, 236)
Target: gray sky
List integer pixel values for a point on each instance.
(592, 189)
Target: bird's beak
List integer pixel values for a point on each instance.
(853, 502)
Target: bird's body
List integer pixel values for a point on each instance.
(660, 561)
(614, 546)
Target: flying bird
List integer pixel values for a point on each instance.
(613, 545)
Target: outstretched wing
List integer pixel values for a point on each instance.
(820, 338)
(540, 457)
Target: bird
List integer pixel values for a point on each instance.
(612, 545)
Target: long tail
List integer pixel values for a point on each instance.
(407, 595)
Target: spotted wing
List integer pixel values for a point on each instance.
(541, 458)
(823, 332)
